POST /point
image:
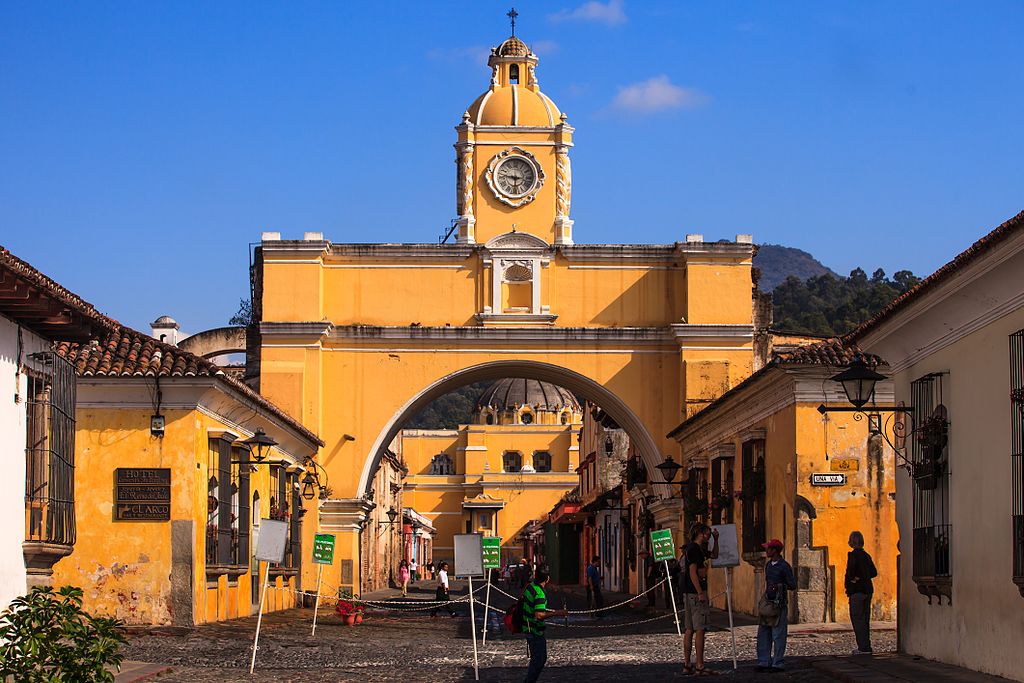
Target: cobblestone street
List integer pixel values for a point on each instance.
(389, 646)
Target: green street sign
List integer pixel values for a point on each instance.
(662, 544)
(323, 549)
(492, 552)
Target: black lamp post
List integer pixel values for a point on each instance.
(669, 469)
(858, 382)
(392, 514)
(309, 485)
(261, 443)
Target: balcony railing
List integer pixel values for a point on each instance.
(50, 451)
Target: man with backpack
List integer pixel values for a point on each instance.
(533, 610)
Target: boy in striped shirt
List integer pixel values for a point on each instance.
(535, 611)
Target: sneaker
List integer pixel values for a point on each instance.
(863, 652)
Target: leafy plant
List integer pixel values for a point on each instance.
(46, 636)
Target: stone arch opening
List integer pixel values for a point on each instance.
(580, 385)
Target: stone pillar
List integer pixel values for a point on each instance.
(464, 200)
(563, 195)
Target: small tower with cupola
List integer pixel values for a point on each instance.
(512, 156)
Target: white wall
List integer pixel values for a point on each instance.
(12, 458)
(983, 628)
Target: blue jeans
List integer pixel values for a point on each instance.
(538, 656)
(769, 637)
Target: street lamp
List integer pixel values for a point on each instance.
(261, 442)
(858, 382)
(669, 469)
(309, 484)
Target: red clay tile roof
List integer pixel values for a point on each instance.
(829, 353)
(832, 352)
(43, 305)
(124, 352)
(976, 250)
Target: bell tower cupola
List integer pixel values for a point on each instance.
(512, 155)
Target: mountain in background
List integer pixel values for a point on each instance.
(778, 262)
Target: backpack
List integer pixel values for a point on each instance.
(514, 620)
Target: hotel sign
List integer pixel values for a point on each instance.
(142, 494)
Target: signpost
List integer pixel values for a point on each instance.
(664, 549)
(469, 562)
(142, 494)
(323, 553)
(728, 557)
(828, 479)
(270, 547)
(492, 560)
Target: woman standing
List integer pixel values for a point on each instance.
(403, 576)
(442, 594)
(859, 572)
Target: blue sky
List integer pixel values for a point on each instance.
(144, 145)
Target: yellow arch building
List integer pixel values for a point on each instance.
(357, 338)
(495, 476)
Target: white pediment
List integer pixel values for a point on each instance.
(517, 241)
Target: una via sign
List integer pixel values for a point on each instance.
(828, 479)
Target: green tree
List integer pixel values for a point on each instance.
(46, 637)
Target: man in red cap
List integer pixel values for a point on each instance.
(772, 630)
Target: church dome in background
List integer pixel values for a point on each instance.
(513, 392)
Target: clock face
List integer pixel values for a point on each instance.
(515, 176)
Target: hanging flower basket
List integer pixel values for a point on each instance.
(721, 500)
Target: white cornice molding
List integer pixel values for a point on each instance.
(598, 336)
(498, 319)
(400, 251)
(687, 334)
(344, 514)
(307, 330)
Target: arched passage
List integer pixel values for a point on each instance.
(584, 387)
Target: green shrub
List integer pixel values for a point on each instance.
(47, 636)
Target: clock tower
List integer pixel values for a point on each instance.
(512, 156)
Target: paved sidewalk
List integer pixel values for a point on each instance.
(135, 672)
(897, 668)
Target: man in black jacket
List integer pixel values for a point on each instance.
(859, 572)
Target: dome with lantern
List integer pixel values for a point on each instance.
(514, 98)
(518, 400)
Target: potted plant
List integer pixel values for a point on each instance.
(721, 500)
(347, 610)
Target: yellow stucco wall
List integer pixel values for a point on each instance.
(477, 452)
(125, 567)
(797, 444)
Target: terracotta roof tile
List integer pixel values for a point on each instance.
(124, 352)
(976, 250)
(77, 317)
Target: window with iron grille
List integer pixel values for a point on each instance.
(221, 493)
(512, 461)
(240, 534)
(295, 523)
(930, 457)
(1017, 453)
(542, 461)
(754, 497)
(50, 450)
(722, 485)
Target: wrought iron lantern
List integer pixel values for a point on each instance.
(858, 382)
(261, 443)
(669, 469)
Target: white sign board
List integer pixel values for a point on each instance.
(469, 555)
(273, 536)
(728, 547)
(828, 479)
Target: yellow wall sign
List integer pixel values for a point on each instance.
(845, 465)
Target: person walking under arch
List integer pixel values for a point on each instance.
(694, 583)
(860, 569)
(403, 577)
(443, 593)
(594, 584)
(535, 611)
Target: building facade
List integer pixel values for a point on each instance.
(493, 476)
(37, 423)
(354, 339)
(169, 498)
(955, 344)
(755, 458)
